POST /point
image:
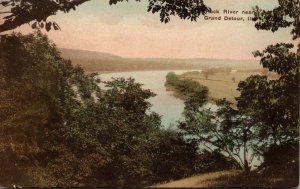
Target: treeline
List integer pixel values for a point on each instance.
(59, 128)
(186, 87)
(103, 62)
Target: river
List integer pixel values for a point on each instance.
(164, 103)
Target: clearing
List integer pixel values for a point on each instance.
(222, 85)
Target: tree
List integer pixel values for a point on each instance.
(189, 90)
(174, 158)
(228, 131)
(58, 128)
(172, 79)
(267, 114)
(209, 72)
(36, 12)
(277, 163)
(205, 75)
(275, 103)
(37, 100)
(286, 14)
(121, 125)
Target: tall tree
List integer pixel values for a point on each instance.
(267, 112)
(276, 102)
(228, 131)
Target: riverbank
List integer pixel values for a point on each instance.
(220, 85)
(177, 94)
(185, 88)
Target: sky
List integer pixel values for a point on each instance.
(128, 30)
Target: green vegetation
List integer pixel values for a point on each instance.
(186, 89)
(229, 131)
(59, 128)
(265, 123)
(37, 12)
(220, 85)
(223, 84)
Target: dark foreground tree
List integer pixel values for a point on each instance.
(228, 131)
(286, 14)
(275, 103)
(58, 128)
(36, 101)
(20, 12)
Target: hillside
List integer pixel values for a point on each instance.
(105, 62)
(232, 179)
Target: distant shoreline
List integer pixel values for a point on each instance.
(108, 63)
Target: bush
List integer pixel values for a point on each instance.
(186, 88)
(282, 159)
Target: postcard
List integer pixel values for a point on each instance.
(150, 93)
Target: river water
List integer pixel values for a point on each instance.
(164, 103)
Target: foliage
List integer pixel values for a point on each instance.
(267, 113)
(192, 91)
(226, 130)
(275, 103)
(28, 11)
(174, 158)
(22, 12)
(286, 14)
(127, 132)
(213, 161)
(282, 159)
(58, 128)
(36, 101)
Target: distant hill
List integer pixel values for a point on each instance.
(105, 62)
(78, 54)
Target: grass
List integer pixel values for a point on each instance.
(232, 178)
(220, 85)
(203, 180)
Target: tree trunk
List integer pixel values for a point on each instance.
(246, 167)
(246, 164)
